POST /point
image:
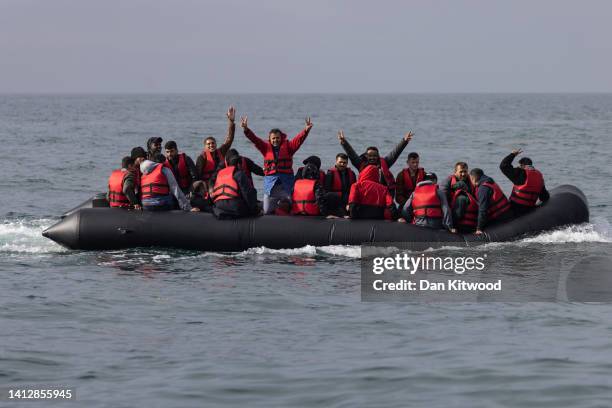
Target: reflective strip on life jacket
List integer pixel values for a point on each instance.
(225, 187)
(154, 184)
(116, 198)
(425, 202)
(470, 217)
(499, 203)
(527, 193)
(303, 200)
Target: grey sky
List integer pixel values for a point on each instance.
(308, 46)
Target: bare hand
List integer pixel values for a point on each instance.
(516, 152)
(138, 207)
(244, 122)
(453, 230)
(402, 220)
(408, 136)
(478, 232)
(231, 114)
(341, 136)
(308, 123)
(195, 209)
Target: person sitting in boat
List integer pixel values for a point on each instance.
(139, 155)
(372, 157)
(493, 206)
(308, 196)
(316, 161)
(212, 157)
(233, 194)
(159, 188)
(338, 182)
(247, 165)
(278, 154)
(407, 179)
(427, 206)
(370, 199)
(464, 208)
(121, 187)
(528, 183)
(154, 147)
(182, 167)
(458, 180)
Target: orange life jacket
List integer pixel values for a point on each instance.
(409, 186)
(281, 164)
(470, 218)
(210, 166)
(154, 184)
(182, 175)
(425, 202)
(225, 187)
(115, 189)
(527, 193)
(499, 204)
(303, 200)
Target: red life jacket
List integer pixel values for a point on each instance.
(154, 184)
(469, 183)
(183, 177)
(303, 200)
(244, 166)
(470, 218)
(527, 193)
(321, 175)
(425, 202)
(210, 165)
(282, 164)
(225, 187)
(409, 186)
(368, 191)
(116, 198)
(386, 173)
(499, 204)
(336, 186)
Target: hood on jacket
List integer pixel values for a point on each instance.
(148, 166)
(369, 172)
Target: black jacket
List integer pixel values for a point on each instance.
(358, 160)
(191, 168)
(518, 176)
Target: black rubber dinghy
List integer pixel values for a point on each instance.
(94, 226)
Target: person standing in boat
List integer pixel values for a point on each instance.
(528, 183)
(232, 192)
(427, 206)
(212, 157)
(278, 154)
(372, 157)
(493, 206)
(408, 178)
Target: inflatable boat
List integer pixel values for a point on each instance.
(95, 226)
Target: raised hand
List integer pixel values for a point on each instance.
(516, 152)
(341, 136)
(408, 136)
(244, 122)
(231, 114)
(308, 123)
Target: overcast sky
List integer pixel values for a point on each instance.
(240, 46)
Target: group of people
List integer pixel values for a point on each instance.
(220, 181)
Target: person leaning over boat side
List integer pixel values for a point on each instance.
(369, 199)
(212, 157)
(407, 179)
(233, 193)
(154, 147)
(247, 165)
(528, 183)
(372, 156)
(278, 154)
(427, 206)
(316, 161)
(182, 167)
(159, 187)
(493, 206)
(338, 181)
(121, 189)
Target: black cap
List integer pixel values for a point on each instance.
(313, 160)
(138, 152)
(430, 176)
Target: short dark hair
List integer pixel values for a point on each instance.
(159, 158)
(138, 152)
(372, 148)
(342, 156)
(126, 161)
(431, 176)
(210, 138)
(170, 144)
(412, 155)
(232, 151)
(276, 131)
(461, 164)
(476, 172)
(526, 161)
(232, 159)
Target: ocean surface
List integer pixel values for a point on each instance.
(262, 328)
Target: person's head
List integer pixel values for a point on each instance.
(475, 175)
(461, 171)
(171, 150)
(159, 158)
(154, 145)
(210, 144)
(341, 161)
(430, 177)
(275, 137)
(310, 172)
(232, 158)
(524, 162)
(127, 163)
(372, 155)
(138, 154)
(413, 161)
(315, 160)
